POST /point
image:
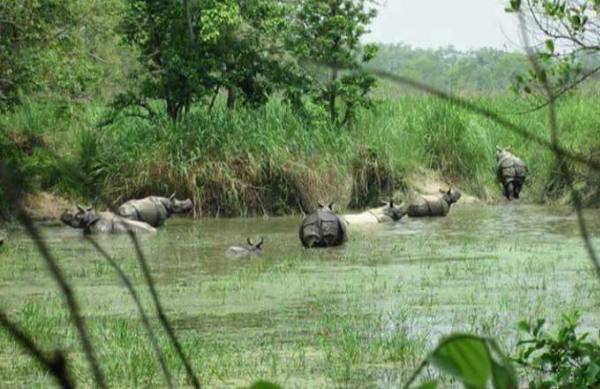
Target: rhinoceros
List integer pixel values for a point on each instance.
(511, 172)
(387, 213)
(102, 222)
(322, 228)
(433, 205)
(154, 210)
(246, 250)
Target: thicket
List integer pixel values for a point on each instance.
(230, 103)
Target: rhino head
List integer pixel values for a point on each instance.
(179, 206)
(326, 207)
(79, 217)
(502, 153)
(393, 211)
(451, 195)
(255, 247)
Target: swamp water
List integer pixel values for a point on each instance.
(360, 315)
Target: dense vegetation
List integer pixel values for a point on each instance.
(225, 102)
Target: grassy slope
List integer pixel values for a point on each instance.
(272, 160)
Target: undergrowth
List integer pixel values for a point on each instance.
(271, 160)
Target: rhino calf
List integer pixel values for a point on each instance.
(387, 213)
(511, 172)
(322, 228)
(154, 210)
(433, 205)
(102, 222)
(245, 250)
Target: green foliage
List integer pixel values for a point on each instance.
(56, 47)
(193, 49)
(474, 361)
(477, 71)
(329, 33)
(561, 360)
(568, 53)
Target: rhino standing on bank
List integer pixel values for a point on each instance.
(433, 205)
(246, 250)
(388, 213)
(322, 228)
(511, 172)
(102, 222)
(154, 210)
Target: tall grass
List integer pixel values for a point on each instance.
(274, 161)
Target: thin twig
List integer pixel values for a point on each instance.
(555, 146)
(160, 312)
(465, 104)
(55, 271)
(57, 365)
(138, 303)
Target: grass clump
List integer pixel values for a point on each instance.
(272, 160)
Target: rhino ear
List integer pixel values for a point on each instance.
(249, 241)
(320, 204)
(443, 191)
(383, 202)
(259, 244)
(331, 205)
(498, 148)
(172, 197)
(391, 203)
(89, 209)
(80, 208)
(509, 148)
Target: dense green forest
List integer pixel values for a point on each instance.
(248, 106)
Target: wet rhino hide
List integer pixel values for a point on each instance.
(322, 228)
(388, 213)
(433, 205)
(102, 222)
(511, 172)
(153, 210)
(247, 250)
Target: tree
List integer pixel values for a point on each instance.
(192, 49)
(328, 33)
(566, 44)
(52, 46)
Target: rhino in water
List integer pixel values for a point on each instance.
(246, 250)
(511, 172)
(322, 228)
(102, 222)
(154, 210)
(387, 213)
(433, 205)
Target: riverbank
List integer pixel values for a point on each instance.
(274, 161)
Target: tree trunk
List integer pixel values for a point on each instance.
(333, 96)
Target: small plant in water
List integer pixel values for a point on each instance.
(561, 360)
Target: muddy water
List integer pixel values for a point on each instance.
(481, 269)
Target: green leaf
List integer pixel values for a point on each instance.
(550, 45)
(465, 357)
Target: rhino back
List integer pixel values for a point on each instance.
(428, 205)
(322, 228)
